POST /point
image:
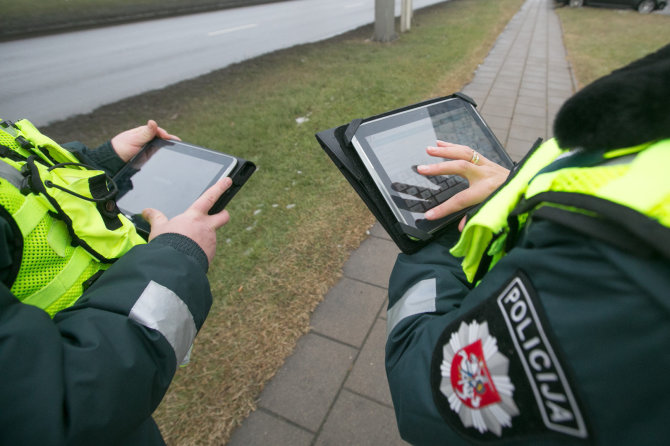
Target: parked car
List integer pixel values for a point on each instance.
(643, 6)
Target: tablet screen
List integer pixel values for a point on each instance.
(169, 176)
(392, 146)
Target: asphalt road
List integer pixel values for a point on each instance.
(46, 79)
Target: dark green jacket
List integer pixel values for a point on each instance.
(566, 340)
(93, 375)
(581, 331)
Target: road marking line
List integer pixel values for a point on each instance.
(353, 5)
(231, 30)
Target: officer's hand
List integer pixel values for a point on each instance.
(484, 177)
(195, 223)
(128, 143)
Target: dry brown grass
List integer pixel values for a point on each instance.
(219, 392)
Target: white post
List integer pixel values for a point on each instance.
(384, 20)
(406, 15)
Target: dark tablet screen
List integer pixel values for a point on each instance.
(392, 146)
(169, 176)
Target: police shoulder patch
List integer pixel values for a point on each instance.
(495, 373)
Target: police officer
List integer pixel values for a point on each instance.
(94, 373)
(547, 319)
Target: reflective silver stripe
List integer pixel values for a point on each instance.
(161, 309)
(418, 299)
(11, 174)
(626, 159)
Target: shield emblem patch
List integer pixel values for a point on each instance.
(475, 379)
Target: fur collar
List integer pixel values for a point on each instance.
(630, 106)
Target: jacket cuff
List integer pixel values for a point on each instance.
(104, 157)
(184, 245)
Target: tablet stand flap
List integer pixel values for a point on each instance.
(466, 98)
(332, 145)
(332, 142)
(351, 130)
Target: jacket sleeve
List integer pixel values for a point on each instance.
(96, 372)
(104, 157)
(570, 367)
(426, 291)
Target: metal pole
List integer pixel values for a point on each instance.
(406, 13)
(384, 21)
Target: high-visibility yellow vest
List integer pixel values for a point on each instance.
(67, 228)
(626, 191)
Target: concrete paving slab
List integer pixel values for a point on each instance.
(368, 376)
(528, 100)
(501, 133)
(526, 133)
(498, 107)
(530, 85)
(372, 262)
(377, 230)
(517, 148)
(357, 421)
(531, 93)
(486, 81)
(559, 74)
(510, 79)
(560, 81)
(559, 90)
(535, 122)
(536, 76)
(263, 429)
(348, 311)
(504, 93)
(531, 110)
(555, 100)
(304, 388)
(498, 122)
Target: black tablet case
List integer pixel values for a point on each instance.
(336, 142)
(240, 174)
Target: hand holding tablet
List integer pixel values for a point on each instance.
(196, 222)
(170, 175)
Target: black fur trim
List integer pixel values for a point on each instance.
(628, 107)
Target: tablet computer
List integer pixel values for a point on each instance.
(391, 146)
(170, 175)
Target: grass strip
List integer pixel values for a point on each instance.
(297, 220)
(599, 40)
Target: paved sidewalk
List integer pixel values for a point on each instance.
(333, 389)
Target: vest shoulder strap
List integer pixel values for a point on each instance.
(602, 219)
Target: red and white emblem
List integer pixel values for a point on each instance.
(475, 380)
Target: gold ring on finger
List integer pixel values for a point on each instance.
(475, 157)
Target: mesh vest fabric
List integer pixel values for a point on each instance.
(54, 268)
(41, 264)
